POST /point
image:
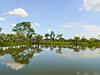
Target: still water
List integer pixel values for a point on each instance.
(40, 60)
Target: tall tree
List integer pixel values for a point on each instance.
(77, 39)
(31, 32)
(52, 35)
(24, 28)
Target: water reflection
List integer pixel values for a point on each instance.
(86, 54)
(86, 73)
(19, 56)
(14, 65)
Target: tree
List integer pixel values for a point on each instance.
(2, 37)
(31, 32)
(52, 35)
(47, 36)
(19, 37)
(77, 39)
(59, 36)
(10, 37)
(93, 40)
(0, 29)
(38, 37)
(84, 39)
(24, 28)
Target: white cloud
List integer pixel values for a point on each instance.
(12, 25)
(2, 19)
(92, 28)
(48, 30)
(37, 24)
(18, 12)
(91, 5)
(71, 25)
(87, 30)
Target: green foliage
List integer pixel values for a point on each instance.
(25, 33)
(47, 36)
(38, 38)
(24, 28)
(0, 29)
(59, 36)
(52, 35)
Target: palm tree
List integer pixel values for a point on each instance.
(77, 39)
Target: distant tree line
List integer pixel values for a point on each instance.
(25, 32)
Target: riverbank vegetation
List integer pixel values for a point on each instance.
(24, 34)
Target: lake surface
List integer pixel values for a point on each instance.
(37, 60)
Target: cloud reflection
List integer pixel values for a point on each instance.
(87, 54)
(14, 65)
(9, 62)
(86, 73)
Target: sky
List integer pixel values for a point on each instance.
(69, 17)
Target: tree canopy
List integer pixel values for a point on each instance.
(24, 28)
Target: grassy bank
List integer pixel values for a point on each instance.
(15, 43)
(58, 43)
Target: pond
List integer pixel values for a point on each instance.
(49, 60)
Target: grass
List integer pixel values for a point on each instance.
(14, 43)
(53, 43)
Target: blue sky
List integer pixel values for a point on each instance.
(70, 17)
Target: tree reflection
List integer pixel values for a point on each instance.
(75, 48)
(59, 50)
(2, 52)
(21, 55)
(78, 48)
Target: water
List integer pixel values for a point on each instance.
(35, 60)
